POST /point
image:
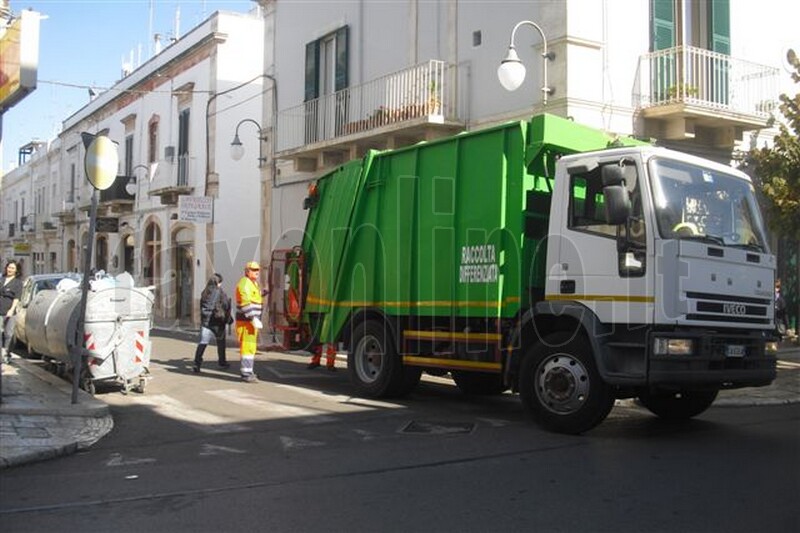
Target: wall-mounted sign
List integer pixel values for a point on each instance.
(199, 209)
(19, 58)
(107, 225)
(22, 248)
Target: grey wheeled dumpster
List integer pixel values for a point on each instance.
(116, 333)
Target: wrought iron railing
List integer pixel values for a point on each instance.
(703, 78)
(183, 170)
(424, 90)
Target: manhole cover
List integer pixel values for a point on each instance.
(422, 427)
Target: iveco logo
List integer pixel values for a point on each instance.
(734, 309)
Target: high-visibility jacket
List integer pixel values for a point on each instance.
(248, 299)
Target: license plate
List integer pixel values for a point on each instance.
(735, 350)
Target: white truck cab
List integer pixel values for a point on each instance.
(663, 260)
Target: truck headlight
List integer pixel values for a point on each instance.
(771, 348)
(664, 346)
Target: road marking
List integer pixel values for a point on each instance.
(281, 410)
(116, 459)
(340, 398)
(366, 435)
(212, 449)
(788, 364)
(494, 422)
(289, 442)
(175, 409)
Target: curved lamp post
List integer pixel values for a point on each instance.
(237, 148)
(511, 71)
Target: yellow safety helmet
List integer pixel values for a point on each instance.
(252, 265)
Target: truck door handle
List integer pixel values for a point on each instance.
(568, 286)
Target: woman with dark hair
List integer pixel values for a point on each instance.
(9, 299)
(215, 314)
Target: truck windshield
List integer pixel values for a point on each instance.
(694, 202)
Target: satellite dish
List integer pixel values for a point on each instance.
(790, 60)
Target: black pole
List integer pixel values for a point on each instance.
(79, 350)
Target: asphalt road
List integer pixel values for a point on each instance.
(297, 453)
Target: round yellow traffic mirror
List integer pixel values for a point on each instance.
(101, 162)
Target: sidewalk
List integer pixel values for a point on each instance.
(38, 420)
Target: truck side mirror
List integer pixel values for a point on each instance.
(612, 175)
(618, 204)
(615, 195)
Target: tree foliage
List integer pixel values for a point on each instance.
(778, 167)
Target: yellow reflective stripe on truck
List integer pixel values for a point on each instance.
(435, 303)
(452, 363)
(601, 298)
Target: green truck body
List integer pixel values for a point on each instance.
(439, 229)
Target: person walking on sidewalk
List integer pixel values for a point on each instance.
(248, 319)
(9, 299)
(215, 315)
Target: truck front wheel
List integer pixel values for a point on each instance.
(678, 405)
(560, 386)
(375, 367)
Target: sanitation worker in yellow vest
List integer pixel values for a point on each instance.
(248, 319)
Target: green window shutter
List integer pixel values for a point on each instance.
(662, 24)
(342, 56)
(312, 71)
(719, 19)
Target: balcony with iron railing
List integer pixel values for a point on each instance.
(413, 104)
(680, 89)
(116, 198)
(172, 179)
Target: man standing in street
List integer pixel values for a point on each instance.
(248, 319)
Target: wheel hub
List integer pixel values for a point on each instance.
(562, 383)
(369, 359)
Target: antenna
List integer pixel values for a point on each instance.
(150, 31)
(177, 23)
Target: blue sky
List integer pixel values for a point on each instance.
(83, 43)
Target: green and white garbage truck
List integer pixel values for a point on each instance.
(539, 256)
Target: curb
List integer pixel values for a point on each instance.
(19, 455)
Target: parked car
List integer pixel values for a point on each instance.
(33, 284)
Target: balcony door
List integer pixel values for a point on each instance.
(326, 77)
(676, 27)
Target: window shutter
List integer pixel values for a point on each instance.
(719, 19)
(312, 71)
(662, 25)
(342, 56)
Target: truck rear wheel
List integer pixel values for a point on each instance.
(479, 383)
(375, 367)
(678, 405)
(560, 386)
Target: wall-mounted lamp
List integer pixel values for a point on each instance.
(237, 148)
(511, 71)
(131, 187)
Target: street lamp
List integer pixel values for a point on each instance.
(131, 187)
(511, 71)
(237, 148)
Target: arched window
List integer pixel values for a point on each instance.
(101, 254)
(151, 258)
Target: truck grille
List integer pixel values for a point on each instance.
(728, 309)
